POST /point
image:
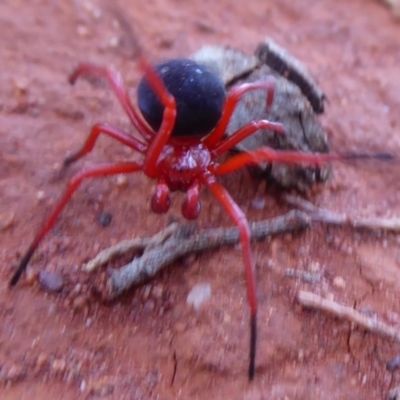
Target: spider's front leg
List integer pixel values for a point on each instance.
(270, 155)
(234, 97)
(110, 131)
(240, 220)
(73, 185)
(243, 133)
(115, 80)
(168, 121)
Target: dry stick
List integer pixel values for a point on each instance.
(129, 246)
(314, 301)
(183, 242)
(328, 217)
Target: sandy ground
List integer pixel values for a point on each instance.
(150, 344)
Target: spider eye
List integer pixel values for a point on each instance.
(198, 92)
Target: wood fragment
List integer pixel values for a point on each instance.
(373, 325)
(329, 217)
(184, 241)
(129, 246)
(305, 276)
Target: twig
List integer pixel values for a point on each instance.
(185, 241)
(328, 217)
(314, 301)
(309, 277)
(129, 246)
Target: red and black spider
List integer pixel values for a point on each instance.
(186, 112)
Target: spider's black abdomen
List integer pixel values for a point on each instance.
(198, 92)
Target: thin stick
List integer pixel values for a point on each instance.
(314, 301)
(185, 241)
(129, 246)
(328, 217)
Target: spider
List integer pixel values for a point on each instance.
(185, 114)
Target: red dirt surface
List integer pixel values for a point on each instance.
(150, 344)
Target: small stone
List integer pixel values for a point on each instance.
(104, 219)
(40, 362)
(58, 365)
(179, 327)
(157, 291)
(6, 220)
(393, 364)
(122, 180)
(339, 282)
(392, 317)
(30, 276)
(21, 84)
(40, 195)
(101, 387)
(314, 266)
(198, 295)
(149, 306)
(146, 292)
(51, 281)
(82, 386)
(258, 203)
(113, 42)
(80, 303)
(15, 374)
(82, 31)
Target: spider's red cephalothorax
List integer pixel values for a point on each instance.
(186, 113)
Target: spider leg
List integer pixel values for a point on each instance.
(108, 130)
(234, 96)
(244, 132)
(73, 184)
(115, 80)
(167, 124)
(255, 157)
(239, 218)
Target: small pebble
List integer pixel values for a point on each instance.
(6, 221)
(198, 295)
(82, 386)
(122, 180)
(82, 31)
(21, 84)
(314, 266)
(113, 42)
(40, 194)
(149, 306)
(146, 292)
(392, 317)
(339, 282)
(157, 291)
(80, 303)
(30, 276)
(393, 364)
(58, 365)
(104, 219)
(179, 327)
(51, 281)
(40, 362)
(258, 203)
